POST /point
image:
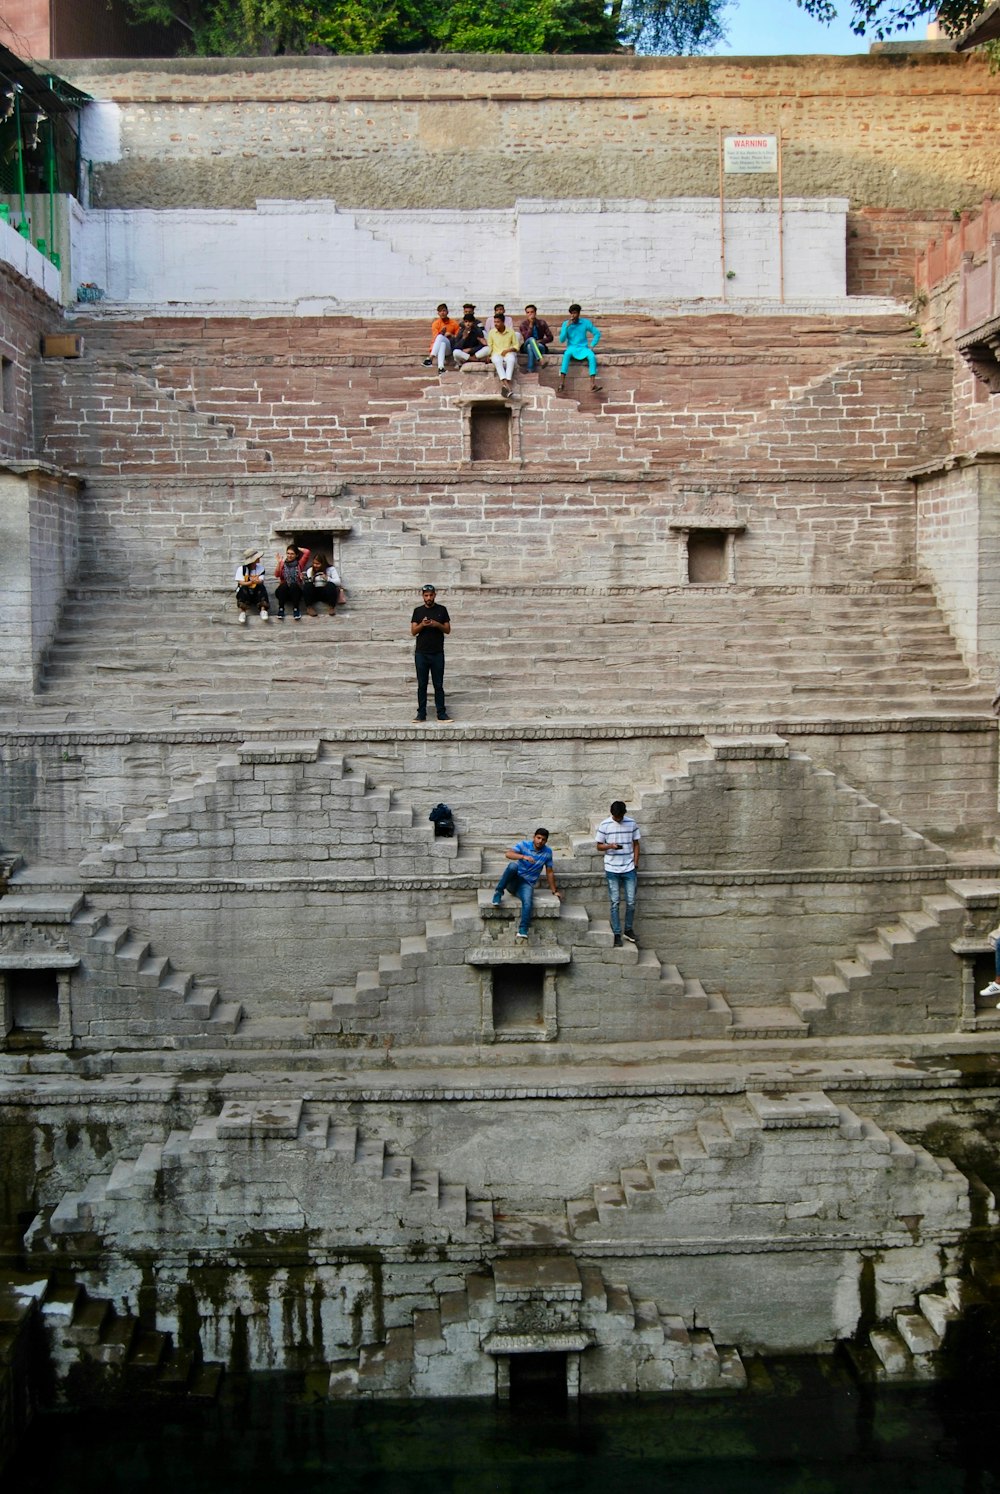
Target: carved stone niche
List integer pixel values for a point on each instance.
(36, 1008)
(519, 995)
(708, 548)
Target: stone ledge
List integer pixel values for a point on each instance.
(525, 953)
(537, 1343)
(62, 736)
(118, 887)
(170, 1259)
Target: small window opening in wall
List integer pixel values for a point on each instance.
(518, 998)
(491, 429)
(33, 1001)
(6, 385)
(538, 1379)
(707, 558)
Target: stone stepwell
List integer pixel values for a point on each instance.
(277, 1081)
(725, 653)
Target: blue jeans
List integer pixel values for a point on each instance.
(512, 881)
(430, 667)
(535, 349)
(619, 882)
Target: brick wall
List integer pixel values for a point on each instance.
(883, 245)
(24, 316)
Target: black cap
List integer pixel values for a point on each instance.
(428, 587)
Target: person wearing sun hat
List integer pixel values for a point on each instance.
(429, 625)
(251, 593)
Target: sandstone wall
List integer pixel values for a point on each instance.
(910, 132)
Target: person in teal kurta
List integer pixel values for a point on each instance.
(581, 338)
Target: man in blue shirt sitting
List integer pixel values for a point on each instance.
(528, 859)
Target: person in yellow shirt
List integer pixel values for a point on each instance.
(443, 330)
(503, 344)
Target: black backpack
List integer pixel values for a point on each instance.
(442, 819)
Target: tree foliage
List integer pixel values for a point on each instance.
(297, 27)
(680, 28)
(880, 18)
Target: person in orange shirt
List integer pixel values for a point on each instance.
(443, 330)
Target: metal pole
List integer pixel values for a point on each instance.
(24, 227)
(722, 216)
(51, 174)
(781, 224)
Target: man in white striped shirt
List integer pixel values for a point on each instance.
(618, 837)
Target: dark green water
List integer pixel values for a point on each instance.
(812, 1432)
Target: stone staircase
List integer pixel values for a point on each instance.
(908, 1346)
(296, 1163)
(439, 1000)
(277, 807)
(413, 558)
(99, 1353)
(733, 1172)
(685, 654)
(130, 996)
(462, 1343)
(848, 828)
(899, 958)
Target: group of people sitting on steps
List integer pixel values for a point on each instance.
(468, 339)
(304, 580)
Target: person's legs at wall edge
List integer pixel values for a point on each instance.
(629, 882)
(437, 680)
(512, 881)
(422, 665)
(587, 355)
(614, 898)
(526, 893)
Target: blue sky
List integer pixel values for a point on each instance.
(774, 27)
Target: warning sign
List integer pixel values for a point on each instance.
(745, 154)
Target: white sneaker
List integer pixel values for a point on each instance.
(242, 617)
(993, 989)
(265, 616)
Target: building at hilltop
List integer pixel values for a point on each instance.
(278, 1088)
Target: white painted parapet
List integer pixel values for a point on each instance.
(313, 257)
(15, 250)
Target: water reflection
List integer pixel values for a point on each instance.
(804, 1428)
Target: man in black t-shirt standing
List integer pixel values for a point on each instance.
(429, 625)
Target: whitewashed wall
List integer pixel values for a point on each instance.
(26, 259)
(312, 257)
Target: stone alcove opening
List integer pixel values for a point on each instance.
(518, 1000)
(977, 965)
(490, 431)
(706, 556)
(35, 1000)
(707, 548)
(538, 1379)
(31, 1007)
